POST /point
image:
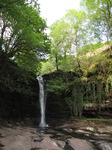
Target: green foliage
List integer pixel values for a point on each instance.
(86, 30)
(68, 63)
(77, 98)
(48, 66)
(77, 22)
(26, 40)
(57, 86)
(16, 79)
(69, 105)
(65, 33)
(79, 80)
(99, 14)
(60, 40)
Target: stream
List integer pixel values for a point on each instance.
(97, 141)
(59, 136)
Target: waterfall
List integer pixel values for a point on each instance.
(42, 102)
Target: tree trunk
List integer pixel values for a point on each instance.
(56, 59)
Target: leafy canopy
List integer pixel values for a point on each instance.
(22, 30)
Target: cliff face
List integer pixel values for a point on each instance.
(58, 86)
(18, 91)
(75, 96)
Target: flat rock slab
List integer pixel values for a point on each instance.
(18, 138)
(25, 138)
(79, 144)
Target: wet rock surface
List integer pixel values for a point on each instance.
(25, 138)
(68, 136)
(79, 144)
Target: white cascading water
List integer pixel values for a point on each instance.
(42, 102)
(107, 146)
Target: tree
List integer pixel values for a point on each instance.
(60, 40)
(22, 43)
(4, 4)
(99, 14)
(67, 35)
(22, 30)
(77, 23)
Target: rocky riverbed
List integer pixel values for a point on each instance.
(67, 135)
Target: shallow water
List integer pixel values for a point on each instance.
(95, 139)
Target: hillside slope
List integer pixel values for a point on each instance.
(103, 49)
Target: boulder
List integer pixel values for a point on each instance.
(79, 144)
